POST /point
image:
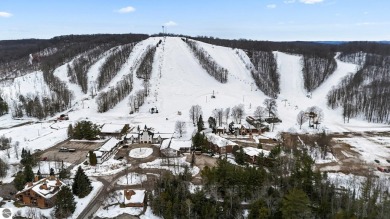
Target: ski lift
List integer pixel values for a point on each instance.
(213, 96)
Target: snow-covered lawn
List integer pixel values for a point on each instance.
(132, 179)
(370, 148)
(149, 214)
(27, 212)
(45, 166)
(140, 152)
(175, 165)
(81, 203)
(108, 167)
(115, 210)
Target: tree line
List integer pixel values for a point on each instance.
(207, 62)
(108, 99)
(316, 70)
(365, 93)
(77, 70)
(145, 67)
(113, 64)
(265, 72)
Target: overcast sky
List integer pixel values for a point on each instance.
(275, 20)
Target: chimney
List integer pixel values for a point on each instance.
(128, 194)
(36, 178)
(29, 184)
(43, 186)
(58, 183)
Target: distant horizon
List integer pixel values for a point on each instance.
(177, 35)
(267, 20)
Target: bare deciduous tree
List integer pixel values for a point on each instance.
(180, 127)
(195, 112)
(227, 114)
(218, 115)
(237, 113)
(270, 106)
(259, 112)
(301, 118)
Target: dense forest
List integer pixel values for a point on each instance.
(113, 64)
(316, 69)
(77, 70)
(207, 62)
(265, 72)
(108, 99)
(283, 184)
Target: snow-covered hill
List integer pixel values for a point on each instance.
(178, 81)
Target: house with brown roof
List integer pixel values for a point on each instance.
(218, 144)
(41, 193)
(134, 197)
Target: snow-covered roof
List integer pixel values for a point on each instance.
(52, 187)
(251, 151)
(177, 144)
(219, 141)
(109, 145)
(165, 144)
(112, 128)
(132, 134)
(137, 197)
(163, 135)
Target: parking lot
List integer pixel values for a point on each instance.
(82, 149)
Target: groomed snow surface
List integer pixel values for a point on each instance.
(140, 152)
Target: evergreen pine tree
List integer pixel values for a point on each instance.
(92, 158)
(64, 204)
(81, 184)
(200, 124)
(28, 174)
(19, 181)
(39, 174)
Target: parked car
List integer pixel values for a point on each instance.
(71, 150)
(63, 149)
(377, 161)
(37, 150)
(43, 158)
(120, 158)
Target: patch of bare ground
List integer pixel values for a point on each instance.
(348, 161)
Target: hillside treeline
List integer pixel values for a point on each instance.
(34, 106)
(207, 62)
(108, 99)
(78, 69)
(265, 72)
(145, 66)
(51, 54)
(113, 64)
(365, 93)
(316, 69)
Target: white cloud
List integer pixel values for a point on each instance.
(289, 1)
(311, 1)
(5, 14)
(272, 6)
(125, 10)
(170, 24)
